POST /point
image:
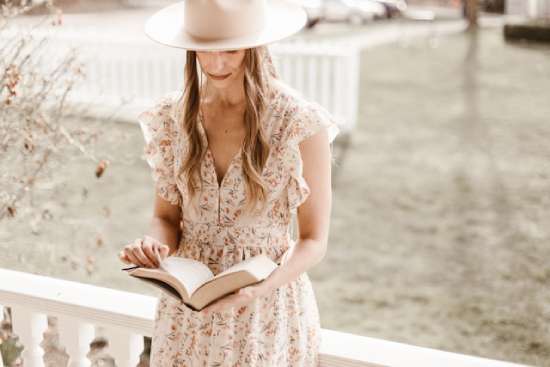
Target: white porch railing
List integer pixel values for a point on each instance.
(136, 71)
(85, 311)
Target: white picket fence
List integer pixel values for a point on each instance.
(134, 71)
(85, 311)
(529, 8)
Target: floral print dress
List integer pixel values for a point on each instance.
(281, 328)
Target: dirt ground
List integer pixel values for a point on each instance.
(439, 233)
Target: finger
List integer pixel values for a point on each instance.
(128, 248)
(148, 251)
(122, 256)
(134, 260)
(142, 258)
(157, 255)
(164, 251)
(129, 253)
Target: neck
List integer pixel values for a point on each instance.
(232, 96)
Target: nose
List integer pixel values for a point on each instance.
(218, 62)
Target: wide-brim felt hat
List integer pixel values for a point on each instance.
(219, 25)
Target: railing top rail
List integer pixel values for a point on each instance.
(99, 305)
(346, 349)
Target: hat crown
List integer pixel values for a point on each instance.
(220, 19)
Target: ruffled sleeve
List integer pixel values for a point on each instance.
(305, 124)
(157, 125)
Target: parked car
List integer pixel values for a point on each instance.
(314, 10)
(393, 8)
(352, 11)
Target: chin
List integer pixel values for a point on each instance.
(221, 82)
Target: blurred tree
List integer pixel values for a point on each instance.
(34, 85)
(471, 8)
(35, 135)
(495, 6)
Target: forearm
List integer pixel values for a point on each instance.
(299, 258)
(165, 231)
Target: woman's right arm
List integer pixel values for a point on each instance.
(162, 239)
(165, 224)
(157, 125)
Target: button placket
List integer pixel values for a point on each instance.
(211, 168)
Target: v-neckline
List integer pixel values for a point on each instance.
(202, 129)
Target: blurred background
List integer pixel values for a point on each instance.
(441, 185)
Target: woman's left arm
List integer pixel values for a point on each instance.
(313, 214)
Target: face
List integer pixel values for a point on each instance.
(222, 67)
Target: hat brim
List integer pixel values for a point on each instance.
(166, 27)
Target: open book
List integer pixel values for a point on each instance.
(193, 282)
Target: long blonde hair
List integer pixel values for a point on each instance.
(258, 71)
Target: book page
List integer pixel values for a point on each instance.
(161, 279)
(259, 266)
(190, 273)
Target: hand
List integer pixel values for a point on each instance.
(147, 252)
(238, 298)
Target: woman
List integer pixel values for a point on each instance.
(233, 156)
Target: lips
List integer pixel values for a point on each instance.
(219, 77)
